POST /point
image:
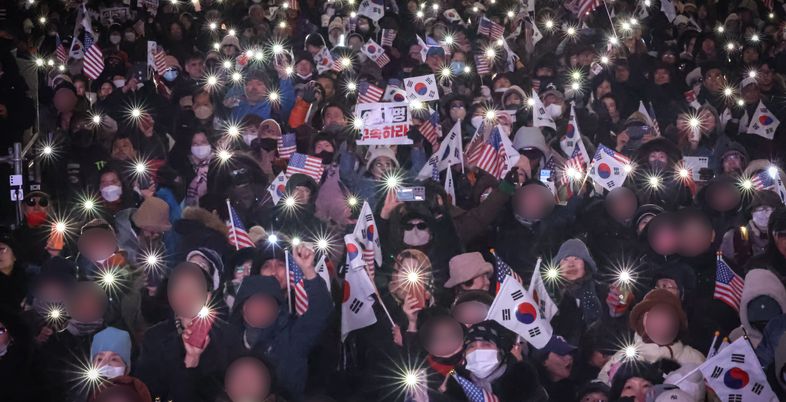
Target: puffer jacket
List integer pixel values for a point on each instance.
(652, 352)
(758, 282)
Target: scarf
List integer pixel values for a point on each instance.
(198, 186)
(81, 328)
(444, 365)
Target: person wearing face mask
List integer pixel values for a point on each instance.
(379, 161)
(455, 109)
(442, 338)
(115, 36)
(171, 71)
(265, 147)
(331, 205)
(201, 153)
(751, 239)
(489, 366)
(114, 196)
(659, 157)
(110, 352)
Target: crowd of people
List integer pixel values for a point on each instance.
(214, 206)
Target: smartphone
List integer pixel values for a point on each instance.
(409, 194)
(419, 293)
(144, 181)
(706, 174)
(637, 132)
(545, 175)
(200, 328)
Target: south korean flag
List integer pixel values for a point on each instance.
(515, 310)
(735, 375)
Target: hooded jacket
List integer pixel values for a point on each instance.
(758, 282)
(652, 352)
(199, 227)
(285, 344)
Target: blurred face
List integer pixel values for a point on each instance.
(256, 90)
(724, 198)
(665, 239)
(470, 313)
(65, 101)
(668, 284)
(661, 324)
(260, 311)
(636, 388)
(188, 294)
(85, 306)
(751, 94)
(81, 87)
(658, 158)
(622, 206)
(661, 76)
(247, 380)
(558, 366)
(334, 115)
(7, 257)
(603, 89)
(695, 238)
(302, 194)
(571, 268)
(276, 269)
(109, 358)
(123, 150)
(446, 339)
(195, 68)
(532, 202)
(714, 80)
(733, 163)
(380, 166)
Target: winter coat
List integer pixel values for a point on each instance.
(652, 352)
(264, 109)
(13, 288)
(160, 364)
(739, 248)
(200, 228)
(287, 343)
(55, 357)
(331, 204)
(773, 333)
(518, 383)
(758, 282)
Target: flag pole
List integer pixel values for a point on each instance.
(613, 30)
(712, 345)
(381, 303)
(232, 222)
(289, 291)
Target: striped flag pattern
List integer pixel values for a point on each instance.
(159, 58)
(491, 155)
(503, 270)
(94, 58)
(482, 64)
(587, 6)
(308, 165)
(490, 28)
(296, 278)
(728, 285)
(473, 392)
(237, 234)
(287, 145)
(60, 51)
(762, 180)
(388, 36)
(431, 129)
(369, 93)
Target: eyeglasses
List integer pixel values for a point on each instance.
(419, 225)
(42, 201)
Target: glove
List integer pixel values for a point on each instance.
(510, 182)
(310, 93)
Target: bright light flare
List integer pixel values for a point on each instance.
(274, 97)
(224, 155)
(773, 172)
(272, 238)
(295, 241)
(357, 123)
(236, 77)
(630, 352)
(352, 201)
(654, 182)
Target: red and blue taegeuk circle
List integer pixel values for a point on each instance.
(604, 171)
(736, 378)
(526, 313)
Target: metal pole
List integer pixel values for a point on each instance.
(17, 162)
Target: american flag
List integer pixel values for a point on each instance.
(431, 129)
(491, 154)
(728, 285)
(473, 392)
(296, 278)
(369, 93)
(503, 270)
(490, 28)
(294, 5)
(159, 58)
(576, 162)
(237, 234)
(287, 145)
(769, 4)
(762, 180)
(482, 64)
(94, 58)
(587, 6)
(60, 51)
(308, 165)
(382, 60)
(474, 148)
(388, 36)
(610, 152)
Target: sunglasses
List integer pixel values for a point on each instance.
(419, 225)
(42, 201)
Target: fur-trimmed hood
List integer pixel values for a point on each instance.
(206, 218)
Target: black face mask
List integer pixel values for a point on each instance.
(326, 156)
(268, 144)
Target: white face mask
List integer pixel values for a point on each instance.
(761, 218)
(201, 152)
(119, 83)
(111, 371)
(111, 192)
(203, 112)
(554, 110)
(476, 121)
(247, 138)
(416, 237)
(482, 362)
